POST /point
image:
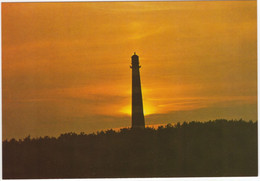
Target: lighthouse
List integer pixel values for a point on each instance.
(137, 100)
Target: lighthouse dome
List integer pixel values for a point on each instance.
(135, 56)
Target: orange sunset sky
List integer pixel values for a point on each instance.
(65, 66)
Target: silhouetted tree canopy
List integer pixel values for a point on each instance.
(213, 148)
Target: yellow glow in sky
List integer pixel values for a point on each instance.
(148, 109)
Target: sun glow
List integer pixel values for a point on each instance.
(148, 109)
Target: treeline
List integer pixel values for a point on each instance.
(213, 148)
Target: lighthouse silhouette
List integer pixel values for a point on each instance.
(137, 100)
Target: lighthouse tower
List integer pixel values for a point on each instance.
(137, 101)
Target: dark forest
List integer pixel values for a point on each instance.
(213, 148)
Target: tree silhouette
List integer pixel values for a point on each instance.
(213, 148)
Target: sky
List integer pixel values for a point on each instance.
(65, 66)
